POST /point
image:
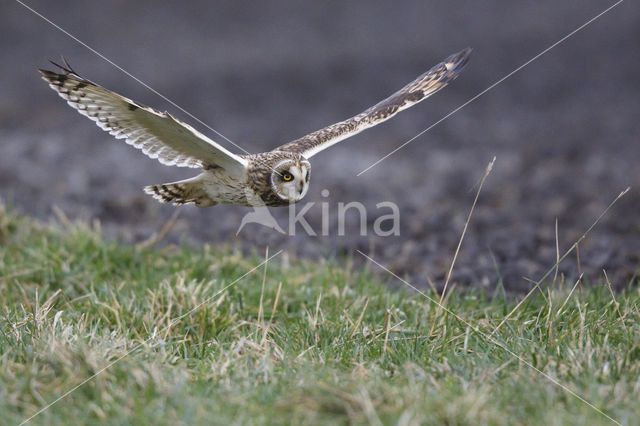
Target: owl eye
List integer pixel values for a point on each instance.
(287, 176)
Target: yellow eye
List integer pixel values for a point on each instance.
(287, 176)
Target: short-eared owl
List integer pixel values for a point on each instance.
(273, 178)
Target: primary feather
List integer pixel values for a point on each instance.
(158, 135)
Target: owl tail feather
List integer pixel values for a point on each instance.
(182, 192)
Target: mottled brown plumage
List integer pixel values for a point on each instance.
(422, 87)
(273, 178)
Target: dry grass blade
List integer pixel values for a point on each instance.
(316, 315)
(264, 280)
(555, 275)
(568, 296)
(613, 298)
(154, 239)
(21, 273)
(275, 302)
(579, 264)
(273, 312)
(357, 324)
(62, 217)
(466, 225)
(387, 317)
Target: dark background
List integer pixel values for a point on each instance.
(564, 129)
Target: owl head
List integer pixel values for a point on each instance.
(290, 179)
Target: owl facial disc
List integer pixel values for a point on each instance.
(290, 179)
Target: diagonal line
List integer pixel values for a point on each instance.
(127, 353)
(130, 75)
(493, 85)
(494, 341)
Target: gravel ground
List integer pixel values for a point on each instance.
(564, 129)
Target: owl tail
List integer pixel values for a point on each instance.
(182, 192)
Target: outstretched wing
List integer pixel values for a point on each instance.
(419, 89)
(159, 135)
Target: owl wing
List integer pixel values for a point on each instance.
(158, 134)
(419, 89)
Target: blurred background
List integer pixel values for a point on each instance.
(565, 129)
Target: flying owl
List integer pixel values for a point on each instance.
(275, 178)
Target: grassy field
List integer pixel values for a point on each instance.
(182, 335)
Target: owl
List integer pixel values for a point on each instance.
(274, 178)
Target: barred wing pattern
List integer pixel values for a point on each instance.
(419, 89)
(158, 135)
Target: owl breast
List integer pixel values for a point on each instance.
(228, 189)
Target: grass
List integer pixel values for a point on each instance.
(296, 343)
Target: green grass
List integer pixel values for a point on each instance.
(311, 348)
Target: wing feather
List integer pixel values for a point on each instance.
(157, 134)
(418, 90)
